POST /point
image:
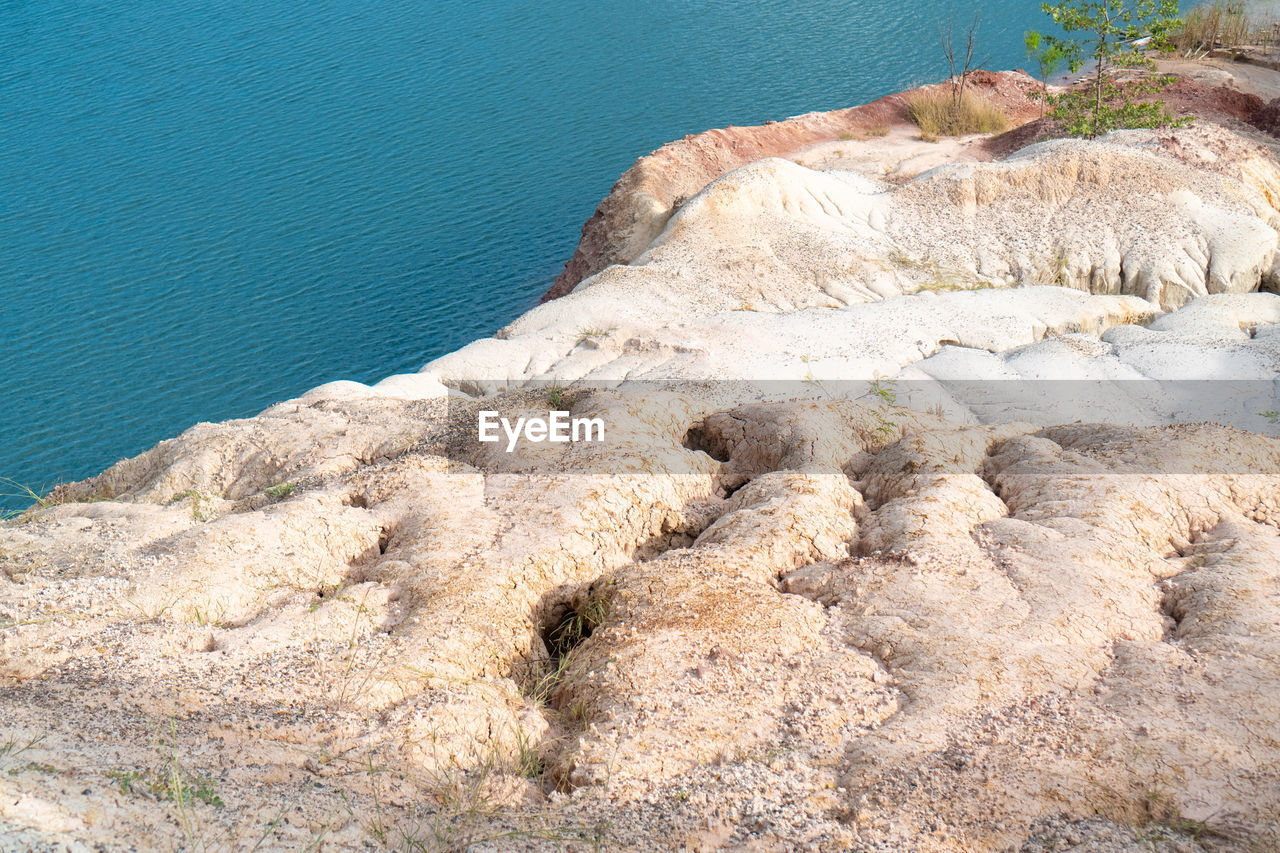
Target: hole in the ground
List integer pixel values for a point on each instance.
(699, 437)
(1175, 595)
(1173, 609)
(660, 543)
(680, 529)
(564, 618)
(728, 487)
(565, 631)
(569, 622)
(356, 499)
(361, 565)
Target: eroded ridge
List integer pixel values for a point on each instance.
(801, 622)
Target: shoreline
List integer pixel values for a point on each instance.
(772, 599)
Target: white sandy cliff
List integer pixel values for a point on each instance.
(824, 619)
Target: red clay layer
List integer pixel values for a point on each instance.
(1184, 97)
(680, 169)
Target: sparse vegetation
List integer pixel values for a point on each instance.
(937, 279)
(37, 766)
(13, 489)
(886, 393)
(938, 114)
(169, 781)
(863, 134)
(1167, 819)
(153, 611)
(279, 491)
(213, 614)
(14, 745)
(529, 763)
(172, 784)
(538, 690)
(955, 112)
(884, 390)
(809, 377)
(592, 334)
(580, 621)
(556, 397)
(541, 676)
(962, 58)
(1058, 268)
(468, 807)
(577, 713)
(128, 780)
(200, 511)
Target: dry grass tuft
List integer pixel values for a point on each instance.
(1221, 24)
(938, 114)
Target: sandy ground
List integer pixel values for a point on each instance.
(1252, 79)
(895, 156)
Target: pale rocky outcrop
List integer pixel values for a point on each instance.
(810, 269)
(827, 617)
(645, 197)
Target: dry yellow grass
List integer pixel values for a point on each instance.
(938, 114)
(865, 133)
(1219, 24)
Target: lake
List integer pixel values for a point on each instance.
(207, 208)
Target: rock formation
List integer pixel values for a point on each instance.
(785, 605)
(639, 205)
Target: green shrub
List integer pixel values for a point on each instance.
(279, 491)
(1110, 38)
(1081, 113)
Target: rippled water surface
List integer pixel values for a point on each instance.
(209, 207)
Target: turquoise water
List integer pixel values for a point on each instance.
(206, 208)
